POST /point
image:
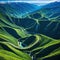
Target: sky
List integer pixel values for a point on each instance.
(38, 2)
(31, 0)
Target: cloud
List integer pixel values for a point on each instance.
(26, 0)
(29, 1)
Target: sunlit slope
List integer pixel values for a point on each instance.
(44, 20)
(34, 37)
(39, 47)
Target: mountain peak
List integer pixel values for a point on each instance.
(53, 4)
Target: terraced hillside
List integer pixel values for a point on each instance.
(29, 36)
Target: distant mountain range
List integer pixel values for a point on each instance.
(35, 19)
(45, 21)
(53, 4)
(51, 10)
(17, 10)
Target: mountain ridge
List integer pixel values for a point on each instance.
(19, 9)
